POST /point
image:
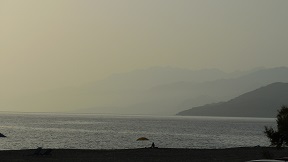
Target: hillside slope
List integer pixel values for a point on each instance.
(262, 102)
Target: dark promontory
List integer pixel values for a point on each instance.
(262, 102)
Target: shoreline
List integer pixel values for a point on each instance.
(240, 154)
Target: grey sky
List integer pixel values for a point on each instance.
(54, 43)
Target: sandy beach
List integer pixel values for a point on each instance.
(145, 154)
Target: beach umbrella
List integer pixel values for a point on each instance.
(142, 139)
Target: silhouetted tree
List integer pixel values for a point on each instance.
(279, 137)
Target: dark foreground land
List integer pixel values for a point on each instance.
(144, 155)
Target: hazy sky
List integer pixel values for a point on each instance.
(51, 43)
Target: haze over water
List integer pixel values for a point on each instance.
(70, 69)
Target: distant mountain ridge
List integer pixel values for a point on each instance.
(262, 102)
(158, 91)
(184, 95)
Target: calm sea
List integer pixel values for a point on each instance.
(25, 131)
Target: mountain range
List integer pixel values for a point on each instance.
(262, 102)
(158, 90)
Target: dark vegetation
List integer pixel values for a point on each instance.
(279, 137)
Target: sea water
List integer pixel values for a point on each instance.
(86, 131)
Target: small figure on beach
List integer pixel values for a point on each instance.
(153, 145)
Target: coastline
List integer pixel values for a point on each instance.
(239, 154)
